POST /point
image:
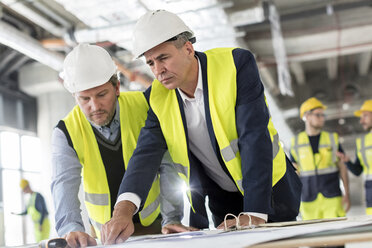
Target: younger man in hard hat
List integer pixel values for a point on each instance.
(363, 161)
(95, 142)
(38, 211)
(314, 152)
(209, 110)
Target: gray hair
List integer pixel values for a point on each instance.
(181, 39)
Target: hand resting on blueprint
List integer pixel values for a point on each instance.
(177, 228)
(245, 220)
(121, 226)
(79, 239)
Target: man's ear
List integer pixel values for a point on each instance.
(189, 48)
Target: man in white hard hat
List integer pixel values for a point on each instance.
(209, 110)
(314, 152)
(363, 160)
(94, 142)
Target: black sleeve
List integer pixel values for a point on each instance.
(41, 207)
(292, 159)
(255, 146)
(146, 159)
(146, 93)
(356, 168)
(340, 149)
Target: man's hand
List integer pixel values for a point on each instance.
(121, 226)
(343, 157)
(346, 203)
(79, 239)
(243, 221)
(177, 228)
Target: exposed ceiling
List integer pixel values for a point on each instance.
(322, 48)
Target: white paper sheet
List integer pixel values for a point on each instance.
(238, 239)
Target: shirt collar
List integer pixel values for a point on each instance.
(115, 121)
(199, 86)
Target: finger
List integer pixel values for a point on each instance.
(229, 223)
(176, 228)
(103, 232)
(91, 241)
(191, 228)
(124, 235)
(82, 241)
(221, 226)
(165, 230)
(71, 241)
(112, 234)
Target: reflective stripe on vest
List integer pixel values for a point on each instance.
(364, 152)
(221, 75)
(368, 177)
(133, 107)
(146, 212)
(334, 148)
(229, 152)
(97, 199)
(325, 171)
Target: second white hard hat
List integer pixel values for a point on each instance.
(87, 66)
(156, 27)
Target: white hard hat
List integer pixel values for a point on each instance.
(87, 66)
(156, 27)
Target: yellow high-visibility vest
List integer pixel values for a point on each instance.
(133, 113)
(320, 163)
(222, 90)
(364, 153)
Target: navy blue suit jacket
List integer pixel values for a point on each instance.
(252, 117)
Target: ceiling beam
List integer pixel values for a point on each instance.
(268, 79)
(332, 67)
(364, 63)
(21, 8)
(298, 71)
(23, 43)
(317, 45)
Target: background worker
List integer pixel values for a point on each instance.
(313, 152)
(38, 211)
(209, 110)
(363, 161)
(94, 142)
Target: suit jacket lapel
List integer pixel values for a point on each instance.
(203, 61)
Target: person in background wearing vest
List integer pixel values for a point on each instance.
(363, 161)
(314, 153)
(209, 110)
(94, 142)
(38, 211)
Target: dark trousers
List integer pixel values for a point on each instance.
(221, 202)
(285, 199)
